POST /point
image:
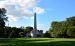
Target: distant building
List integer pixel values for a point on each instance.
(34, 34)
(37, 34)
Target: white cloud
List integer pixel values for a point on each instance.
(12, 18)
(25, 17)
(32, 18)
(39, 10)
(21, 8)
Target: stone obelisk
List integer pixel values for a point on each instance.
(35, 31)
(35, 22)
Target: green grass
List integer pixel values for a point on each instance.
(37, 42)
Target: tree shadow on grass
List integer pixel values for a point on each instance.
(5, 40)
(61, 43)
(16, 42)
(57, 43)
(19, 42)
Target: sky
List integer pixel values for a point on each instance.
(21, 12)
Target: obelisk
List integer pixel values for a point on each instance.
(35, 31)
(35, 22)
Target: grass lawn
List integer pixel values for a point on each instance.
(37, 42)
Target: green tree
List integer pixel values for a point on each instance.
(71, 21)
(71, 26)
(14, 32)
(3, 17)
(71, 31)
(47, 34)
(21, 34)
(63, 28)
(28, 29)
(57, 29)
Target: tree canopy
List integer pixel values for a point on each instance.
(63, 28)
(3, 17)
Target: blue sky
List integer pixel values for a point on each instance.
(50, 10)
(56, 10)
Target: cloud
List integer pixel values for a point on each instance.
(12, 18)
(32, 18)
(39, 10)
(21, 8)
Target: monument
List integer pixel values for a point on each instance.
(35, 33)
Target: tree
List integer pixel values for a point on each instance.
(3, 17)
(21, 34)
(14, 32)
(57, 29)
(71, 26)
(63, 28)
(71, 31)
(71, 21)
(28, 29)
(47, 34)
